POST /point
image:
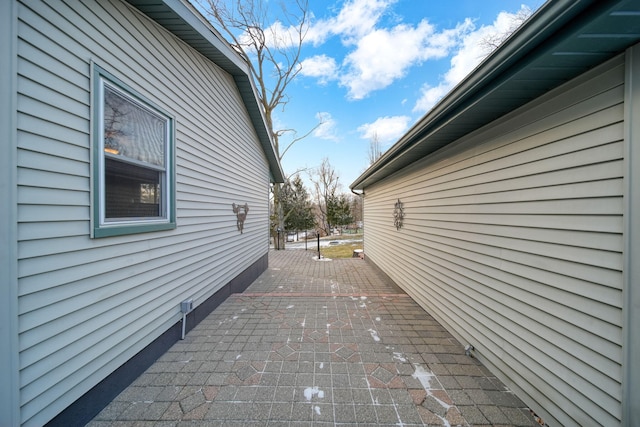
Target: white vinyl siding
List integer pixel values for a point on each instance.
(88, 305)
(513, 239)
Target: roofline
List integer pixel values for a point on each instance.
(184, 21)
(545, 22)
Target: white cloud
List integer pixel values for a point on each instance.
(377, 56)
(355, 19)
(322, 67)
(276, 36)
(386, 129)
(327, 128)
(472, 51)
(430, 96)
(383, 56)
(282, 37)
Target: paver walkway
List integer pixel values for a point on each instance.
(317, 343)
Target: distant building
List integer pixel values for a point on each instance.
(517, 212)
(130, 133)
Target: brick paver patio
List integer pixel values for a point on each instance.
(317, 343)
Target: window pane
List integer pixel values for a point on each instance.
(133, 131)
(131, 191)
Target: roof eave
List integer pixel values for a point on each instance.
(543, 24)
(181, 19)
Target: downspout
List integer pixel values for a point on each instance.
(361, 195)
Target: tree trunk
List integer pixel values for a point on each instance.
(279, 233)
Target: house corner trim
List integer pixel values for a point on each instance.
(9, 387)
(631, 284)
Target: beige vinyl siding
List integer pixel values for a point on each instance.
(512, 238)
(88, 305)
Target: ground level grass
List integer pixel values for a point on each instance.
(341, 250)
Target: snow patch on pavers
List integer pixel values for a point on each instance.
(426, 379)
(399, 356)
(310, 392)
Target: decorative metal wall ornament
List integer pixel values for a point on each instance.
(398, 215)
(241, 214)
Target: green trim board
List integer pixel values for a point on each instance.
(631, 287)
(9, 356)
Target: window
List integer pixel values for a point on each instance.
(133, 161)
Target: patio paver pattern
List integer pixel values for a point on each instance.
(317, 343)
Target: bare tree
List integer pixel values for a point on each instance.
(326, 182)
(272, 49)
(375, 149)
(492, 41)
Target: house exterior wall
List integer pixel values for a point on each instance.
(86, 306)
(513, 239)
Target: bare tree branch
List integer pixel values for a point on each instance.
(326, 182)
(272, 49)
(375, 149)
(296, 139)
(492, 41)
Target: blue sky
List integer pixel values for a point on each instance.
(374, 67)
